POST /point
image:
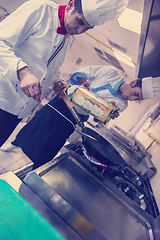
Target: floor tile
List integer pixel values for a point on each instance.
(16, 154)
(2, 170)
(14, 159)
(24, 161)
(13, 167)
(5, 159)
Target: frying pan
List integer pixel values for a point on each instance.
(95, 144)
(100, 148)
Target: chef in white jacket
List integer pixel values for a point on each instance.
(108, 83)
(34, 41)
(41, 140)
(103, 80)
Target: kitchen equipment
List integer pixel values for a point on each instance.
(92, 103)
(71, 108)
(102, 199)
(100, 148)
(128, 142)
(126, 178)
(96, 145)
(74, 113)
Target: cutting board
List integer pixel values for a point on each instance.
(19, 220)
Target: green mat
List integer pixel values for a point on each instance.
(19, 220)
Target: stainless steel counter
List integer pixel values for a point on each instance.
(81, 206)
(108, 211)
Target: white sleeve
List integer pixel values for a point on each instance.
(93, 72)
(15, 29)
(90, 71)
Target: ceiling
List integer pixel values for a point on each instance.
(95, 46)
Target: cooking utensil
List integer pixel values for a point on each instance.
(100, 148)
(96, 145)
(71, 108)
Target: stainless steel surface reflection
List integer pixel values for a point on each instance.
(107, 210)
(70, 217)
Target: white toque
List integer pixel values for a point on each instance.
(97, 12)
(150, 87)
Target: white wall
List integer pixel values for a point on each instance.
(131, 116)
(11, 5)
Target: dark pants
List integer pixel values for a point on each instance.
(45, 134)
(8, 123)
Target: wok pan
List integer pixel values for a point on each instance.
(96, 145)
(100, 148)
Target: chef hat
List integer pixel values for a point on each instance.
(97, 12)
(150, 87)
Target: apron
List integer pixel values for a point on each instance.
(46, 133)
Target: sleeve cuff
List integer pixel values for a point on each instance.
(21, 65)
(11, 71)
(58, 78)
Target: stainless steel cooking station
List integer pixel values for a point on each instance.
(84, 199)
(132, 151)
(88, 203)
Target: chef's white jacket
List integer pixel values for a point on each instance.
(104, 80)
(28, 37)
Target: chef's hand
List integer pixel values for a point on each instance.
(58, 87)
(29, 84)
(116, 113)
(83, 82)
(86, 85)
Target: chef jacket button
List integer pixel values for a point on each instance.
(44, 79)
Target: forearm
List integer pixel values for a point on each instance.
(30, 85)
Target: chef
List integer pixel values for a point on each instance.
(33, 44)
(41, 140)
(103, 80)
(108, 83)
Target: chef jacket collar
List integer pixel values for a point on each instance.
(61, 13)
